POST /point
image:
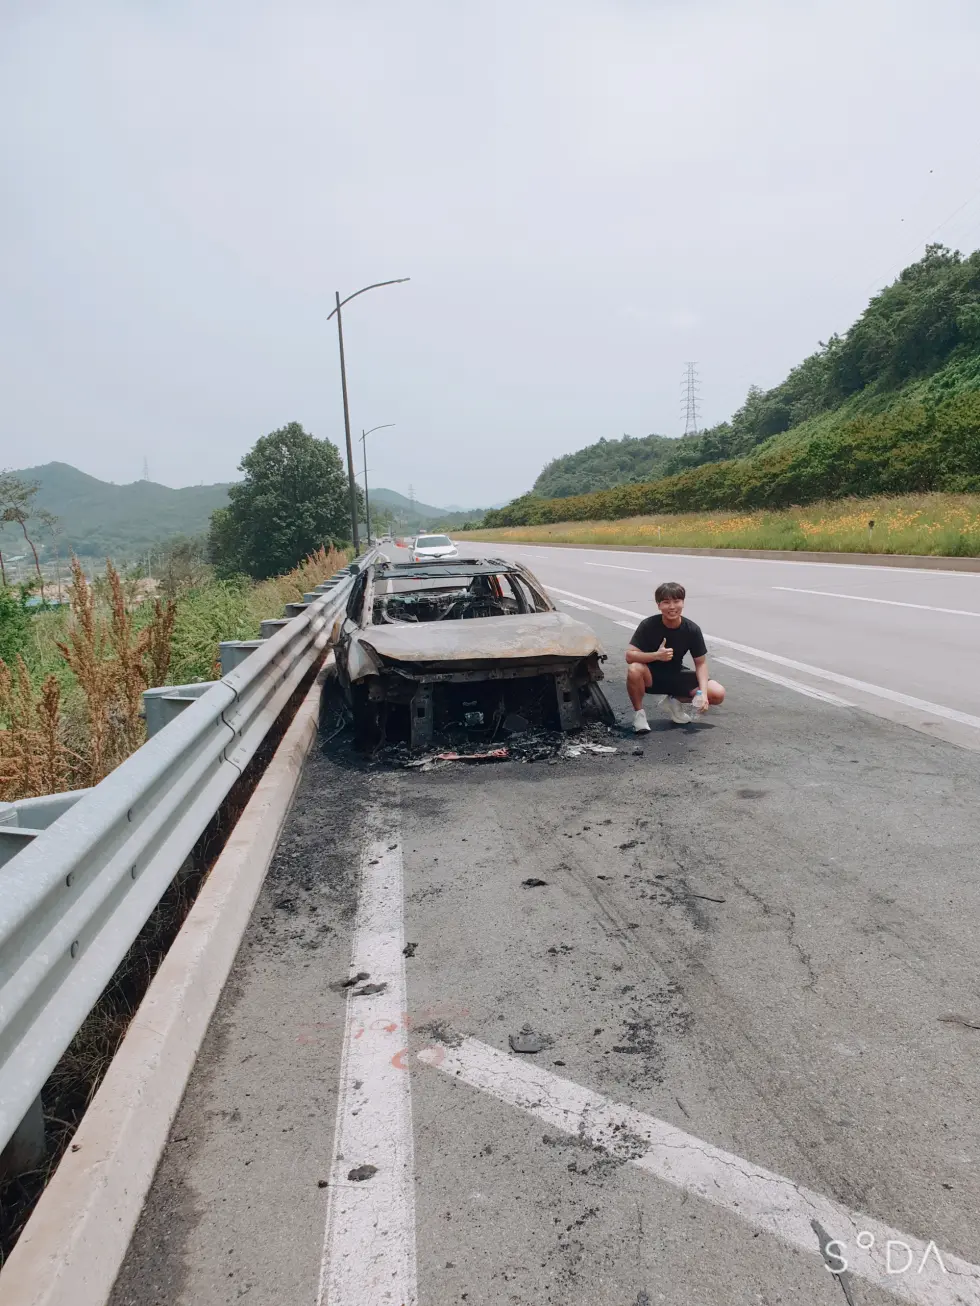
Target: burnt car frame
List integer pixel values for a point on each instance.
(464, 644)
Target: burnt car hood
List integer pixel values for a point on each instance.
(526, 637)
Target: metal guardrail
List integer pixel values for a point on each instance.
(73, 900)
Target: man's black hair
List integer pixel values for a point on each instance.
(670, 589)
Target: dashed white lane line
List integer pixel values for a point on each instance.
(767, 1201)
(849, 682)
(580, 607)
(891, 603)
(822, 694)
(615, 566)
(369, 1243)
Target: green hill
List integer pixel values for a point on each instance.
(890, 407)
(99, 519)
(604, 464)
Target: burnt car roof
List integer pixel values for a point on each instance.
(436, 570)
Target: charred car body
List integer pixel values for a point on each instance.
(468, 644)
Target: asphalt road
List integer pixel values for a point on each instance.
(751, 966)
(903, 633)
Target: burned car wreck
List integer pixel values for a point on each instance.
(467, 645)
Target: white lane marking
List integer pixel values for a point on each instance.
(800, 688)
(892, 603)
(769, 562)
(879, 691)
(630, 625)
(615, 566)
(369, 1243)
(765, 1200)
(580, 606)
(862, 686)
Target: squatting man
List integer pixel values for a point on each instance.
(655, 656)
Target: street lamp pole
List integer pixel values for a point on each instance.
(367, 505)
(352, 485)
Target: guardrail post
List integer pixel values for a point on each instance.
(13, 839)
(27, 1145)
(233, 652)
(165, 704)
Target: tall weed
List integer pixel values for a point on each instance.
(71, 694)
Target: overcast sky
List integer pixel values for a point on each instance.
(585, 194)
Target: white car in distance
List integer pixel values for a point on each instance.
(427, 548)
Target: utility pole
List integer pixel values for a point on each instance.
(411, 503)
(692, 398)
(351, 482)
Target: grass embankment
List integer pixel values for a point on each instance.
(947, 525)
(72, 678)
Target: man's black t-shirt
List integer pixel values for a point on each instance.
(687, 637)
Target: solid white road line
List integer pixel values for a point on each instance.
(369, 1245)
(891, 603)
(630, 625)
(861, 686)
(579, 606)
(800, 688)
(767, 1201)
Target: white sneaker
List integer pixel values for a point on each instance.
(677, 711)
(641, 726)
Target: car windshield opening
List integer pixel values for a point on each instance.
(452, 598)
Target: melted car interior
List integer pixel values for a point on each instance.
(405, 594)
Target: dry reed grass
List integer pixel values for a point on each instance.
(69, 727)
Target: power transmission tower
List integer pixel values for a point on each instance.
(146, 468)
(692, 399)
(411, 502)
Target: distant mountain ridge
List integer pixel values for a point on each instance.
(99, 519)
(405, 506)
(410, 512)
